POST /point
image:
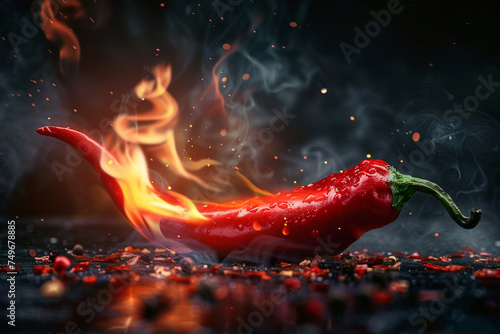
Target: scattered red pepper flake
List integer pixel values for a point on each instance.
(43, 259)
(162, 259)
(41, 270)
(285, 264)
(257, 274)
(314, 271)
(6, 269)
(89, 279)
(450, 267)
(133, 261)
(80, 266)
(453, 256)
(487, 273)
(316, 261)
(480, 260)
(360, 270)
(433, 258)
(130, 249)
(115, 257)
(121, 267)
(398, 253)
(414, 255)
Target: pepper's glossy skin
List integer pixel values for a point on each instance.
(322, 218)
(92, 152)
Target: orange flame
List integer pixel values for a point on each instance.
(156, 127)
(57, 32)
(142, 203)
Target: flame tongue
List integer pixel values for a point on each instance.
(156, 127)
(128, 184)
(142, 204)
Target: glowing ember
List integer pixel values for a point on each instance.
(415, 136)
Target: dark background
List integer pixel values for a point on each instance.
(426, 59)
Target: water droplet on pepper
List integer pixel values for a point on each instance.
(310, 198)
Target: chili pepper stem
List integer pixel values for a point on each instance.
(404, 187)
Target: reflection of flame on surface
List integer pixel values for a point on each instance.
(57, 32)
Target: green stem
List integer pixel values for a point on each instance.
(404, 187)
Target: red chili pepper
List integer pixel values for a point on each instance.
(327, 216)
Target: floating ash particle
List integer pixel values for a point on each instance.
(226, 46)
(324, 90)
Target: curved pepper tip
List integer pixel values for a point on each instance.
(49, 129)
(475, 216)
(43, 130)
